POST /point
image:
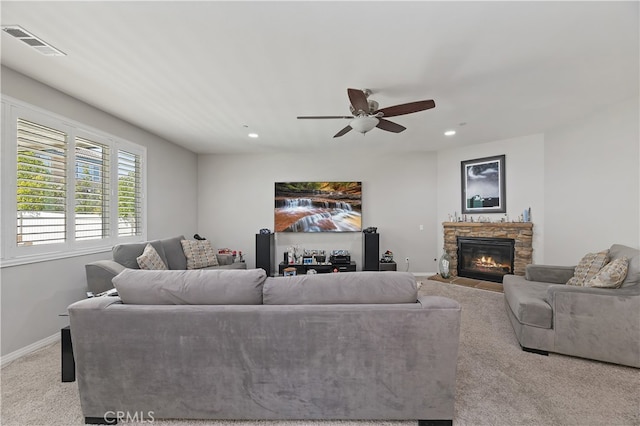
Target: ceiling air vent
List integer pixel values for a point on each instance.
(33, 41)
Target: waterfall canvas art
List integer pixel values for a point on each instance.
(318, 207)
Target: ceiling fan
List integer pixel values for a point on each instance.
(366, 114)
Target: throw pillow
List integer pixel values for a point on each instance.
(612, 275)
(588, 267)
(199, 254)
(150, 259)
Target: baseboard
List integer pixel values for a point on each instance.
(423, 274)
(6, 359)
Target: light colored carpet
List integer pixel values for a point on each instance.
(497, 383)
(469, 282)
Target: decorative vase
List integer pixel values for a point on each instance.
(443, 265)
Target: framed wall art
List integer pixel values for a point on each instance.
(483, 185)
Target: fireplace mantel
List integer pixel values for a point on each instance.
(521, 232)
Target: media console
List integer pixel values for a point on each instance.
(321, 268)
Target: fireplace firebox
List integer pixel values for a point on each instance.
(485, 258)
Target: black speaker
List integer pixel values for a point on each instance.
(266, 252)
(371, 252)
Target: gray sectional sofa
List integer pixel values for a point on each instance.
(221, 344)
(596, 323)
(100, 273)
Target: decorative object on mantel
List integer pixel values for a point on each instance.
(483, 185)
(443, 265)
(522, 218)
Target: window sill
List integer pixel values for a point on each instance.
(47, 257)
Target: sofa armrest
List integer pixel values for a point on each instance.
(569, 290)
(549, 273)
(597, 323)
(100, 273)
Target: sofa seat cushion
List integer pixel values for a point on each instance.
(527, 301)
(340, 288)
(191, 287)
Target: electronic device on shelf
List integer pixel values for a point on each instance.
(340, 257)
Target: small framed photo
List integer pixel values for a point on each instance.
(483, 185)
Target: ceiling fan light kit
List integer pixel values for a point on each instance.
(366, 114)
(364, 123)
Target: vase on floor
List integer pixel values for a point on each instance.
(443, 265)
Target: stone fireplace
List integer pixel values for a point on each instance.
(520, 233)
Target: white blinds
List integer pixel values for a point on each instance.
(41, 184)
(91, 189)
(129, 194)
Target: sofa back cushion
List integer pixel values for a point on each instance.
(174, 253)
(341, 288)
(618, 251)
(192, 287)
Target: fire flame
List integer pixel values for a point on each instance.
(488, 263)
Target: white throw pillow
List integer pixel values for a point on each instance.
(150, 259)
(612, 275)
(199, 254)
(588, 267)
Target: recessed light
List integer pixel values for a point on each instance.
(253, 135)
(450, 133)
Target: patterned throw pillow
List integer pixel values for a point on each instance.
(612, 275)
(588, 267)
(150, 259)
(199, 254)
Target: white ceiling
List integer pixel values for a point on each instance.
(197, 73)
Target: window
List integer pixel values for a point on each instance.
(67, 189)
(41, 184)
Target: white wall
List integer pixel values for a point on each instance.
(33, 295)
(235, 200)
(592, 189)
(524, 167)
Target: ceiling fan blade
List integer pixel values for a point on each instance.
(322, 117)
(343, 132)
(409, 108)
(358, 100)
(390, 126)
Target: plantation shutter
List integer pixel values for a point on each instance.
(91, 190)
(41, 184)
(129, 194)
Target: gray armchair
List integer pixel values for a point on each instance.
(101, 272)
(596, 323)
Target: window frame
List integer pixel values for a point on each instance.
(10, 253)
